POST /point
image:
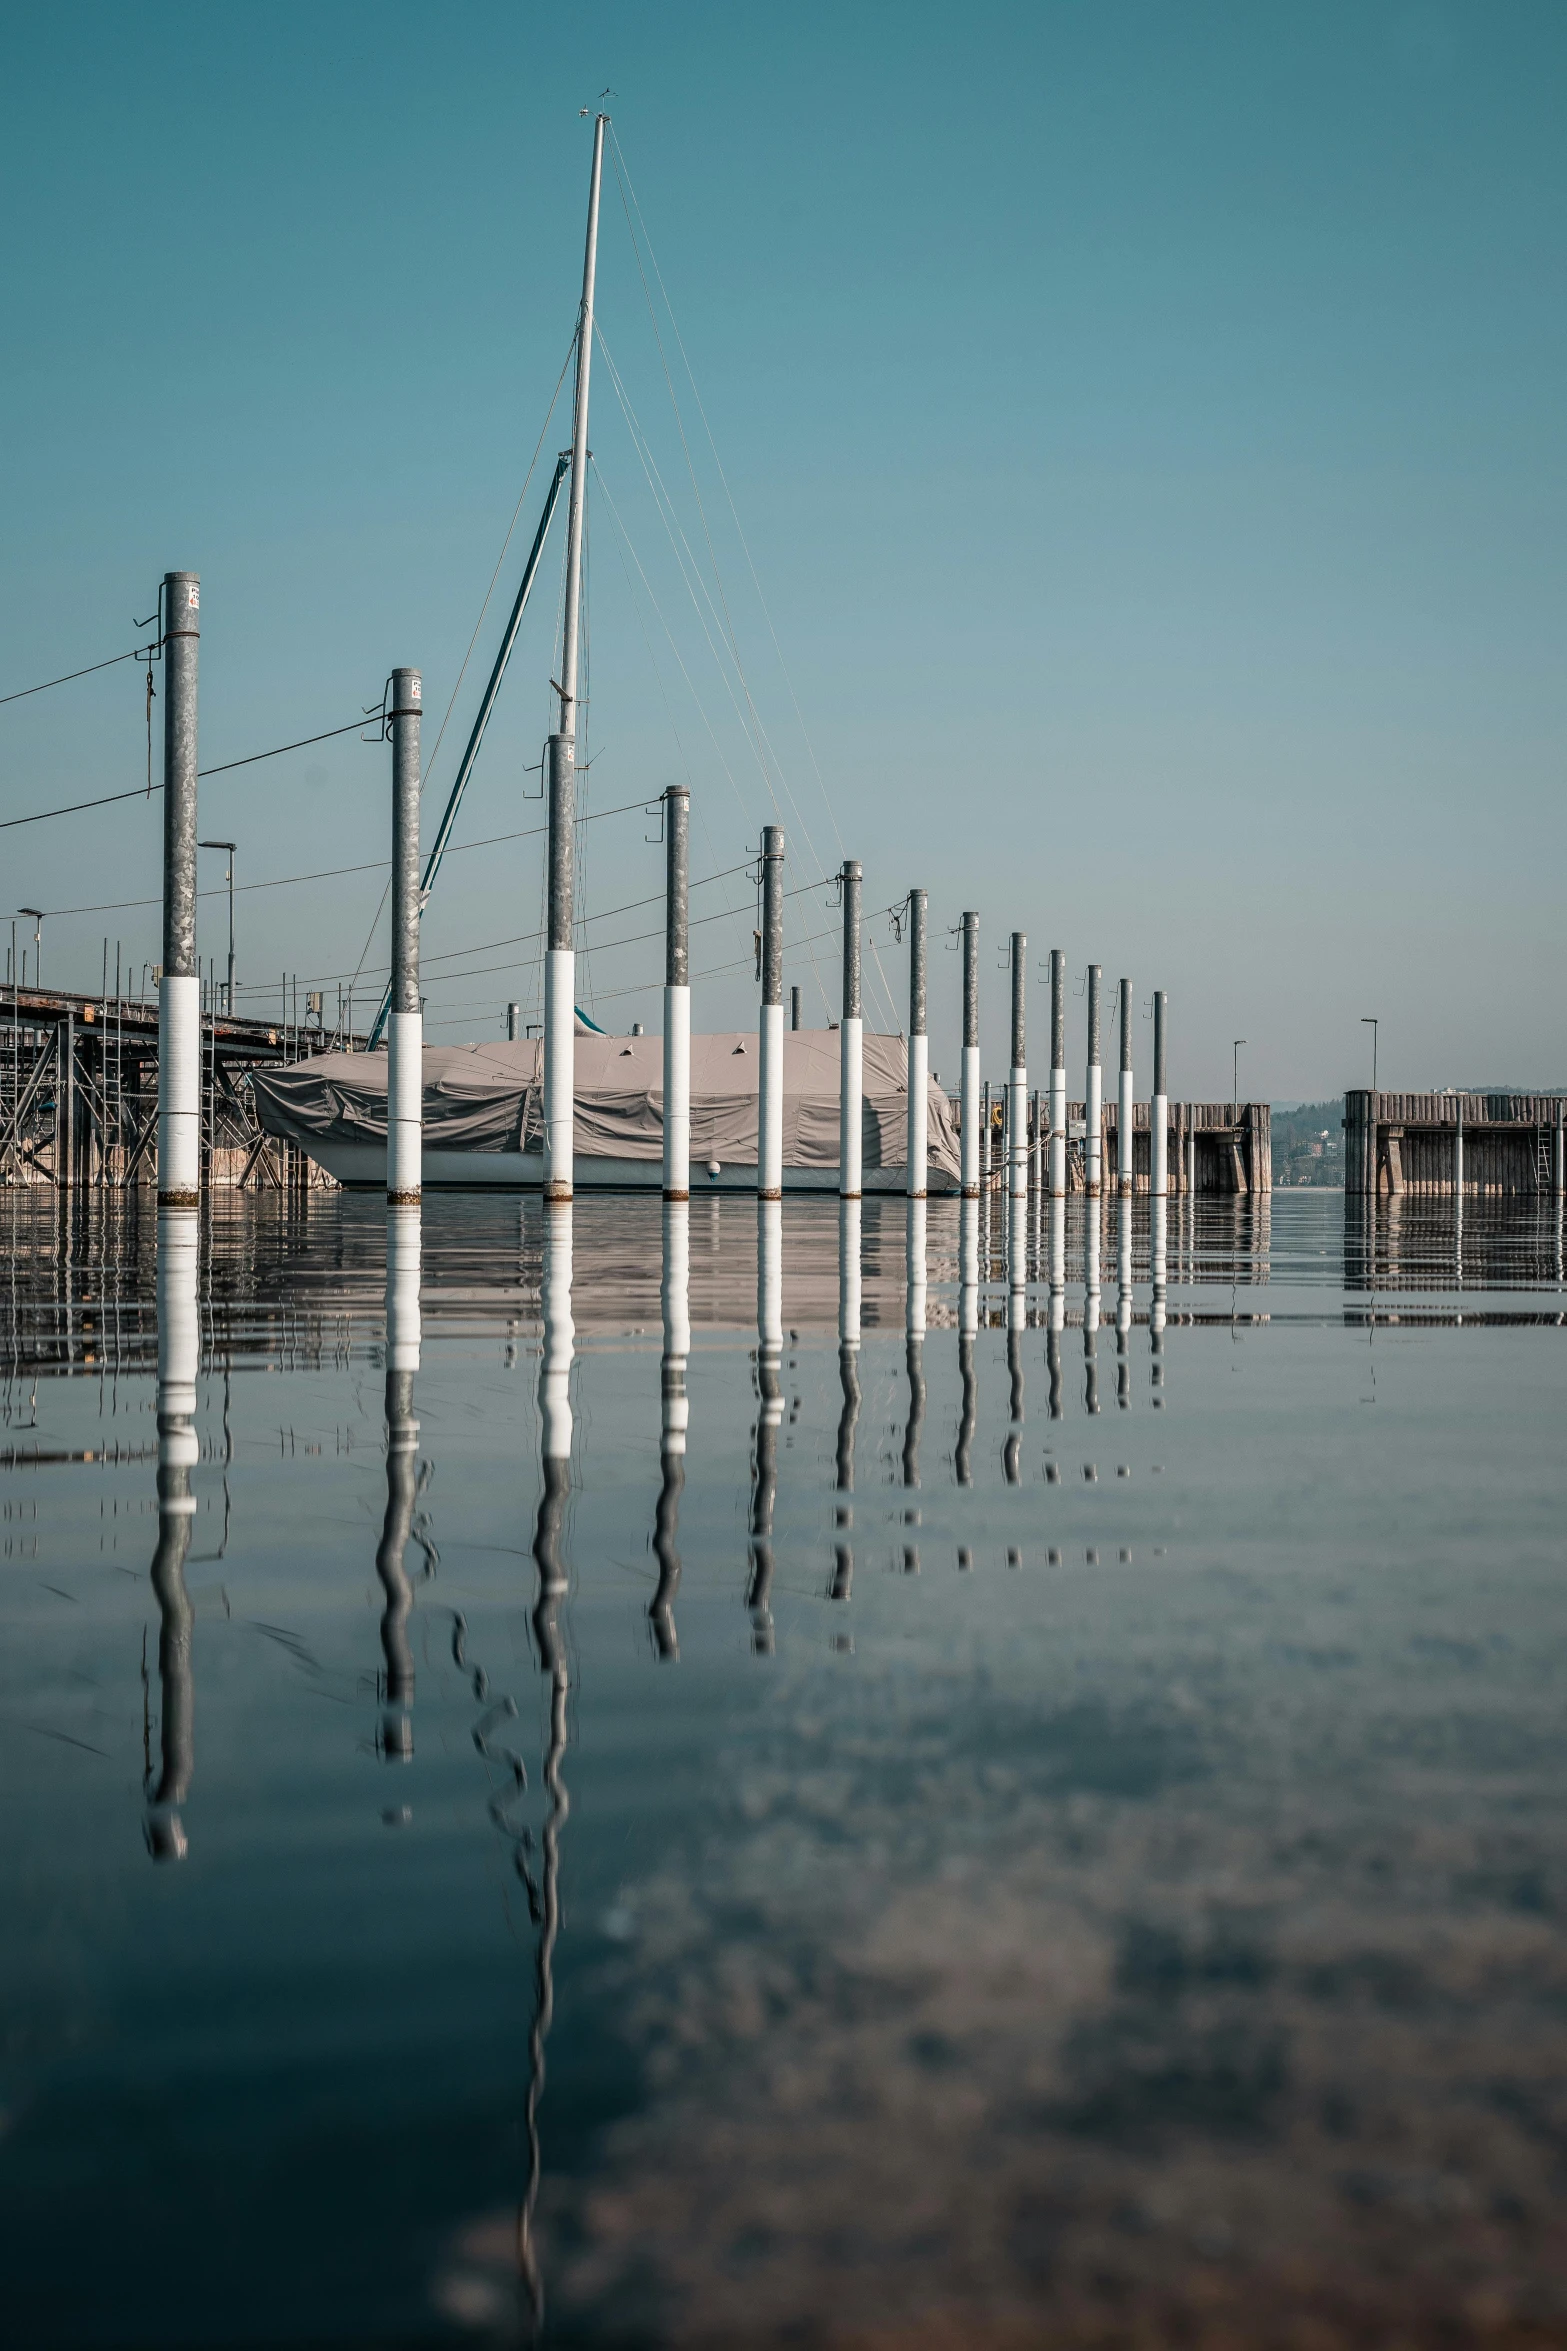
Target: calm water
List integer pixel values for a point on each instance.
(1046, 1837)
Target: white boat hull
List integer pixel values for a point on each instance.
(361, 1167)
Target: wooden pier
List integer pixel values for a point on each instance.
(79, 1094)
(1427, 1146)
(1220, 1149)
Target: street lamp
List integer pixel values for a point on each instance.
(1235, 1077)
(230, 846)
(38, 942)
(1368, 1020)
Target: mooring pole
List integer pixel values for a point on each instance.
(769, 1148)
(513, 1023)
(1017, 1082)
(1458, 1156)
(1159, 1107)
(179, 990)
(1093, 1107)
(1561, 1152)
(560, 963)
(677, 993)
(851, 1041)
(1126, 1108)
(917, 1152)
(794, 1008)
(405, 1023)
(984, 1136)
(1057, 1073)
(968, 1099)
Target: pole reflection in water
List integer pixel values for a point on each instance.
(179, 1347)
(849, 1376)
(1156, 1310)
(1091, 1294)
(1123, 1304)
(769, 1412)
(914, 1288)
(555, 1428)
(395, 1739)
(676, 1413)
(968, 1325)
(1017, 1317)
(1056, 1323)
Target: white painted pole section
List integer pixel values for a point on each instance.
(677, 1093)
(179, 1087)
(1057, 1074)
(849, 1277)
(915, 1274)
(560, 996)
(968, 1266)
(405, 1107)
(1157, 1220)
(179, 1339)
(1159, 1107)
(559, 1334)
(676, 1304)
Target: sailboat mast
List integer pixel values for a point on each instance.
(560, 977)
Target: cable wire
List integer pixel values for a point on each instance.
(136, 653)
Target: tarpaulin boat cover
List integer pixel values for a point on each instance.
(490, 1098)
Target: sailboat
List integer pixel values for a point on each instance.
(580, 1108)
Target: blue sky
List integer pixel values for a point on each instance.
(1145, 424)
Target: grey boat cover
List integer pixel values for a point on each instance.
(490, 1098)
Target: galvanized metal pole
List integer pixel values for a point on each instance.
(1126, 1108)
(1093, 1106)
(769, 1145)
(1057, 1073)
(794, 1008)
(851, 1040)
(1159, 1107)
(677, 993)
(560, 963)
(1458, 1156)
(1017, 1084)
(968, 1105)
(917, 1150)
(405, 1023)
(179, 990)
(513, 1023)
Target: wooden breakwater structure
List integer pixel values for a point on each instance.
(79, 1093)
(1438, 1146)
(1218, 1150)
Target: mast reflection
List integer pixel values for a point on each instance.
(849, 1378)
(968, 1325)
(179, 1346)
(555, 1426)
(1123, 1305)
(1091, 1296)
(1056, 1321)
(395, 1739)
(1157, 1227)
(675, 1415)
(914, 1300)
(1017, 1318)
(769, 1388)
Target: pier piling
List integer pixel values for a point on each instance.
(1159, 1106)
(179, 990)
(769, 1156)
(851, 1042)
(1126, 1107)
(919, 1053)
(405, 1023)
(1093, 1103)
(968, 1104)
(1017, 1083)
(677, 994)
(1057, 1073)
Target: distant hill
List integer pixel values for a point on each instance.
(1308, 1144)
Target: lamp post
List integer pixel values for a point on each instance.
(1368, 1020)
(230, 846)
(38, 941)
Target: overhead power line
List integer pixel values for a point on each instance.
(136, 653)
(145, 791)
